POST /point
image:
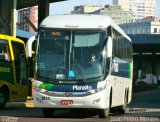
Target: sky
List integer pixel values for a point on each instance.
(67, 6)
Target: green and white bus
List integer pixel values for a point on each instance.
(81, 61)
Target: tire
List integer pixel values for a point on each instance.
(103, 113)
(122, 109)
(2, 100)
(48, 112)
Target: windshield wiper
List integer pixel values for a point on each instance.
(79, 70)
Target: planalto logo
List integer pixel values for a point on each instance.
(78, 88)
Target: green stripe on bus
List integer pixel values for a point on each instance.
(129, 70)
(46, 86)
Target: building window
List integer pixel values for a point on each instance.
(155, 30)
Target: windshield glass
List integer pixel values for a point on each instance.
(70, 55)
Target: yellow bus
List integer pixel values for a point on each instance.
(13, 70)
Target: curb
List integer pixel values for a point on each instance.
(137, 110)
(16, 105)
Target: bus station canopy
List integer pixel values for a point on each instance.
(24, 34)
(145, 42)
(28, 3)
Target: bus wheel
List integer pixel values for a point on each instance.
(48, 112)
(103, 113)
(2, 100)
(122, 109)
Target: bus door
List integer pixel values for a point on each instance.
(21, 74)
(6, 68)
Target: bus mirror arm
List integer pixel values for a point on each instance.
(109, 47)
(29, 46)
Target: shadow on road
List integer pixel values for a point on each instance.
(34, 113)
(146, 99)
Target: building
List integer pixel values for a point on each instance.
(148, 25)
(85, 9)
(116, 13)
(32, 14)
(140, 8)
(146, 58)
(122, 3)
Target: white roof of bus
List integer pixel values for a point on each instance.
(80, 21)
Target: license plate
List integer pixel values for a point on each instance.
(66, 102)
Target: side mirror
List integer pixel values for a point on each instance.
(109, 47)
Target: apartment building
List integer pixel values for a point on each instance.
(32, 14)
(85, 9)
(140, 8)
(116, 13)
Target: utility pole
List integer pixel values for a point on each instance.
(4, 17)
(13, 17)
(43, 10)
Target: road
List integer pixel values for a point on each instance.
(145, 106)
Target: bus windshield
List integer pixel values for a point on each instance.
(70, 55)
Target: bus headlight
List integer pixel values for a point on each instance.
(41, 90)
(36, 86)
(93, 91)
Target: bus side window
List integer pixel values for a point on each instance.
(4, 51)
(8, 58)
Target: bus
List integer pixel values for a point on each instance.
(13, 70)
(81, 62)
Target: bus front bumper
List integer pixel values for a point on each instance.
(98, 101)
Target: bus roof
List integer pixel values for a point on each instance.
(11, 38)
(85, 21)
